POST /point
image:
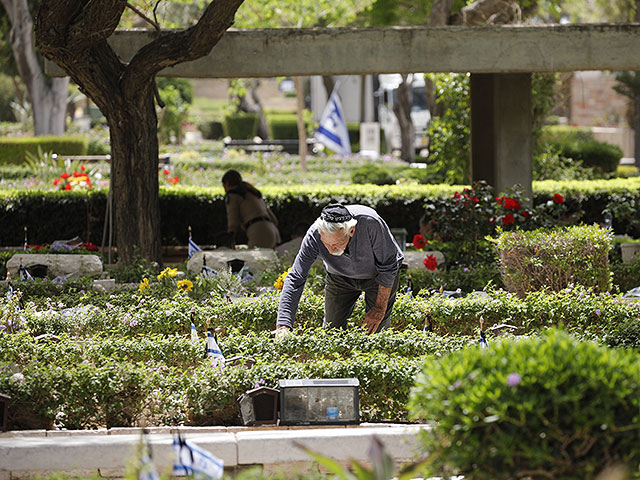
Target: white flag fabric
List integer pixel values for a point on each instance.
(191, 459)
(332, 131)
(194, 334)
(147, 469)
(213, 350)
(193, 248)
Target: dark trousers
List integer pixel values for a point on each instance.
(341, 294)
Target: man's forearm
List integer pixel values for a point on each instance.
(374, 317)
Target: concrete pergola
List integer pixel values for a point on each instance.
(499, 58)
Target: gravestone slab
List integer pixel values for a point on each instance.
(257, 259)
(59, 264)
(414, 259)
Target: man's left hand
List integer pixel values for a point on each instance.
(373, 318)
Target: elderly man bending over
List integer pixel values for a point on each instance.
(359, 254)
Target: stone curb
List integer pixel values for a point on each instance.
(29, 453)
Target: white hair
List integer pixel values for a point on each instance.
(330, 228)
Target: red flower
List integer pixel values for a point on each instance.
(165, 171)
(499, 199)
(419, 241)
(508, 219)
(511, 204)
(474, 199)
(56, 181)
(77, 174)
(430, 262)
(67, 186)
(65, 175)
(173, 180)
(82, 168)
(557, 198)
(456, 195)
(526, 214)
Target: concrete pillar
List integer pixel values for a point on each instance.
(501, 123)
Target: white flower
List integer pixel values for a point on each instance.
(17, 377)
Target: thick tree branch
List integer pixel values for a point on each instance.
(171, 48)
(74, 26)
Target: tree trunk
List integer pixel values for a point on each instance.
(402, 110)
(302, 131)
(48, 96)
(251, 103)
(134, 150)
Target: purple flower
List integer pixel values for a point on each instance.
(513, 379)
(465, 269)
(597, 311)
(457, 384)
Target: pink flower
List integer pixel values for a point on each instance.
(513, 379)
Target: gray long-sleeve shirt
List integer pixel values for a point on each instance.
(372, 253)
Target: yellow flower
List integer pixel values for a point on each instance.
(185, 285)
(168, 272)
(144, 284)
(279, 283)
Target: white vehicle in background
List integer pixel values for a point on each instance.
(420, 115)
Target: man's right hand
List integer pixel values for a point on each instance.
(282, 331)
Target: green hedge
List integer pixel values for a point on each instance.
(283, 126)
(240, 126)
(52, 215)
(551, 407)
(555, 258)
(14, 149)
(579, 144)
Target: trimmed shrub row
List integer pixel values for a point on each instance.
(53, 215)
(13, 150)
(577, 308)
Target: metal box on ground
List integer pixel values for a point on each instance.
(330, 401)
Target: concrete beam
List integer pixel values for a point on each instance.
(490, 49)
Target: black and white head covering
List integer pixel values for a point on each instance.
(335, 213)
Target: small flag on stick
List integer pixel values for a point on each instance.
(193, 247)
(213, 350)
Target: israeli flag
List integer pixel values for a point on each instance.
(25, 276)
(213, 351)
(483, 340)
(147, 469)
(191, 460)
(332, 131)
(194, 334)
(193, 248)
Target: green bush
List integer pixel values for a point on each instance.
(553, 405)
(283, 126)
(240, 126)
(625, 335)
(372, 173)
(211, 130)
(579, 144)
(15, 149)
(554, 259)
